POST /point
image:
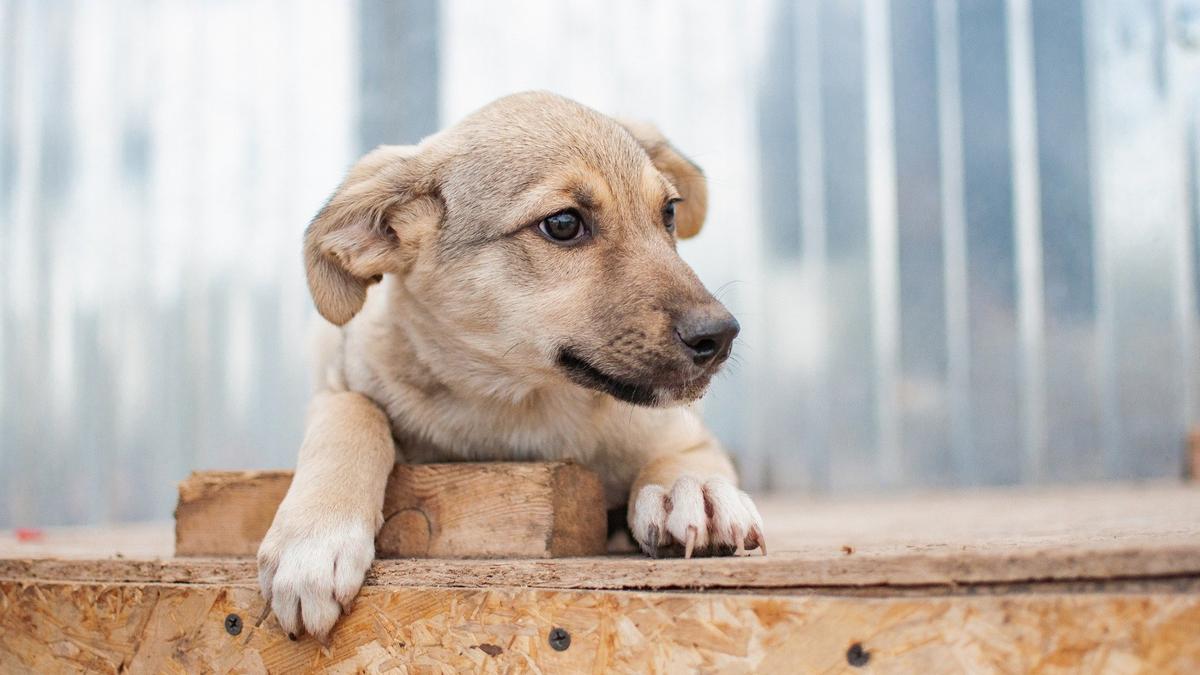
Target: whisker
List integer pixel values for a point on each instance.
(725, 286)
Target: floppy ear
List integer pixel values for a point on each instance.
(681, 171)
(362, 231)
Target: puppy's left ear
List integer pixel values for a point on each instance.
(681, 171)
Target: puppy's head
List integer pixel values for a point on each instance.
(537, 237)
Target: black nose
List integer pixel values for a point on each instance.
(708, 336)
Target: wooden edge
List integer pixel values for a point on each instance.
(779, 570)
(201, 484)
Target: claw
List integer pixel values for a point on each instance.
(652, 541)
(740, 550)
(299, 623)
(757, 539)
(690, 542)
(263, 617)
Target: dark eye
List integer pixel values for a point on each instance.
(669, 215)
(563, 227)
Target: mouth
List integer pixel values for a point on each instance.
(657, 393)
(587, 375)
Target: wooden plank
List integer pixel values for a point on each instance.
(986, 536)
(1092, 579)
(50, 627)
(776, 571)
(227, 513)
(464, 510)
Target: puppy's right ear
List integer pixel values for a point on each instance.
(385, 203)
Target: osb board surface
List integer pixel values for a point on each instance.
(1095, 532)
(53, 627)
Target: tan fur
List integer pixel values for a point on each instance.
(455, 316)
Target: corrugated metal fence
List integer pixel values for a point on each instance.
(961, 236)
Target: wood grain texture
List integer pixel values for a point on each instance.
(1094, 579)
(227, 513)
(170, 628)
(997, 536)
(465, 510)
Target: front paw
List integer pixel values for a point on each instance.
(711, 516)
(310, 570)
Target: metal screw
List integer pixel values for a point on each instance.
(233, 624)
(857, 656)
(560, 639)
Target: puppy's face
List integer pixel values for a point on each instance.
(540, 236)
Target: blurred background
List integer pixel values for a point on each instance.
(961, 236)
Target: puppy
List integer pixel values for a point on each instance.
(509, 289)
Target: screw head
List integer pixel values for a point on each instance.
(233, 624)
(857, 656)
(560, 639)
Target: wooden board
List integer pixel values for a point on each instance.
(988, 536)
(465, 510)
(1092, 579)
(171, 628)
(227, 513)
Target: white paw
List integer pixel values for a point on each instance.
(711, 516)
(310, 572)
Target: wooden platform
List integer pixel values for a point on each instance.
(1098, 579)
